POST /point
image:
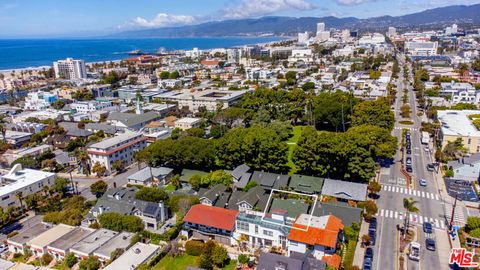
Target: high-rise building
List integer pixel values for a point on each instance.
(320, 27)
(454, 28)
(70, 69)
(392, 31)
(303, 37)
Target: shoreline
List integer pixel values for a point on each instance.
(39, 68)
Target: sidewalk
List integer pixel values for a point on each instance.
(359, 250)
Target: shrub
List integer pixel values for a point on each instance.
(243, 259)
(194, 248)
(472, 223)
(46, 259)
(90, 263)
(70, 260)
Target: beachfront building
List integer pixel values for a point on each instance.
(70, 69)
(119, 148)
(26, 181)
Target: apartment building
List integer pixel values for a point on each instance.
(70, 69)
(38, 101)
(458, 125)
(87, 107)
(119, 148)
(460, 92)
(421, 48)
(26, 181)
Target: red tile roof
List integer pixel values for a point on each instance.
(333, 260)
(210, 62)
(211, 216)
(326, 237)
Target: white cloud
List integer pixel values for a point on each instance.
(352, 2)
(163, 19)
(248, 8)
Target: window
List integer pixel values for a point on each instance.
(5, 198)
(256, 228)
(242, 226)
(267, 233)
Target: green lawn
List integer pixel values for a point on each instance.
(178, 263)
(183, 261)
(292, 144)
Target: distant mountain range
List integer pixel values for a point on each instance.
(286, 26)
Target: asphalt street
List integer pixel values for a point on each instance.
(394, 190)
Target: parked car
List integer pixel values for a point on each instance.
(373, 236)
(414, 251)
(430, 243)
(367, 264)
(369, 253)
(422, 182)
(3, 248)
(409, 169)
(427, 227)
(409, 151)
(408, 161)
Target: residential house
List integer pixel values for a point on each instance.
(241, 176)
(270, 181)
(296, 261)
(319, 235)
(122, 201)
(466, 168)
(131, 121)
(85, 247)
(344, 190)
(18, 243)
(255, 199)
(38, 245)
(60, 247)
(150, 176)
(209, 222)
(187, 123)
(306, 184)
(138, 254)
(120, 241)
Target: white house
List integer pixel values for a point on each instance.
(26, 181)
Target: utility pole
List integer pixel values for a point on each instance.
(343, 120)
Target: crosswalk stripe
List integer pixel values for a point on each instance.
(436, 197)
(385, 187)
(410, 192)
(391, 214)
(423, 194)
(396, 214)
(428, 195)
(437, 223)
(381, 212)
(442, 225)
(420, 219)
(389, 188)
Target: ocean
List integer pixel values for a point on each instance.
(24, 53)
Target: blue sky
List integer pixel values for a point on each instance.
(37, 18)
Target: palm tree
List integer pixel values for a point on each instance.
(410, 206)
(19, 196)
(83, 157)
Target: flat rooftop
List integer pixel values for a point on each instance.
(457, 123)
(133, 257)
(69, 239)
(105, 144)
(22, 178)
(93, 241)
(121, 240)
(27, 235)
(188, 120)
(51, 235)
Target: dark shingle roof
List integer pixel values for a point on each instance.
(213, 193)
(270, 180)
(294, 207)
(306, 184)
(253, 196)
(131, 119)
(106, 128)
(239, 171)
(73, 130)
(348, 214)
(270, 261)
(345, 190)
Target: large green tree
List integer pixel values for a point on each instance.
(258, 147)
(375, 112)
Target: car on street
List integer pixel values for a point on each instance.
(430, 243)
(367, 264)
(426, 149)
(414, 251)
(409, 151)
(408, 146)
(427, 227)
(409, 169)
(422, 182)
(430, 167)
